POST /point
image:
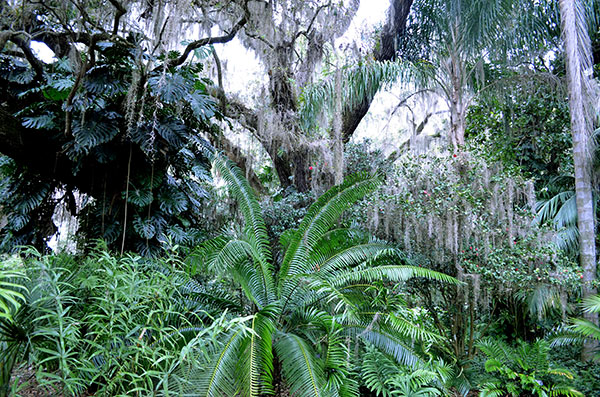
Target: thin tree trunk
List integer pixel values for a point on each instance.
(338, 146)
(578, 62)
(457, 108)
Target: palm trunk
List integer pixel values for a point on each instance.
(457, 102)
(578, 61)
(338, 147)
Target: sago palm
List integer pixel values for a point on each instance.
(307, 308)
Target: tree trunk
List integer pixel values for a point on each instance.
(578, 63)
(457, 107)
(338, 146)
(391, 34)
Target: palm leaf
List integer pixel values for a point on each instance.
(10, 291)
(256, 358)
(387, 342)
(319, 219)
(256, 231)
(592, 304)
(389, 272)
(586, 328)
(302, 371)
(221, 377)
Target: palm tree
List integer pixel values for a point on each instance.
(581, 103)
(450, 42)
(306, 309)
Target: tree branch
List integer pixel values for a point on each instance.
(120, 12)
(35, 63)
(311, 23)
(212, 40)
(394, 27)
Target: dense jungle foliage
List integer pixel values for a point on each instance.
(200, 198)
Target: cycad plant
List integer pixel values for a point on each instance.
(308, 307)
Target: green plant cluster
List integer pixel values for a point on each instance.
(523, 370)
(130, 137)
(114, 326)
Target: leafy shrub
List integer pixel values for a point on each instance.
(523, 370)
(115, 326)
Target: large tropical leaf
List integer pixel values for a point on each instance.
(320, 217)
(302, 370)
(256, 231)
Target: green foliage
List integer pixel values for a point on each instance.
(384, 377)
(285, 213)
(130, 139)
(364, 157)
(359, 82)
(323, 291)
(11, 288)
(523, 369)
(581, 329)
(527, 125)
(120, 326)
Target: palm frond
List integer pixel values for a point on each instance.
(561, 210)
(495, 349)
(220, 254)
(359, 82)
(351, 257)
(548, 209)
(586, 328)
(256, 358)
(221, 378)
(302, 371)
(592, 304)
(543, 298)
(319, 219)
(564, 391)
(256, 230)
(391, 273)
(387, 342)
(565, 338)
(490, 389)
(11, 291)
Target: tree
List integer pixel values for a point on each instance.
(308, 306)
(115, 62)
(582, 94)
(291, 40)
(115, 117)
(454, 38)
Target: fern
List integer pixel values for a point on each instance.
(518, 369)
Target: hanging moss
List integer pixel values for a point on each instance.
(472, 219)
